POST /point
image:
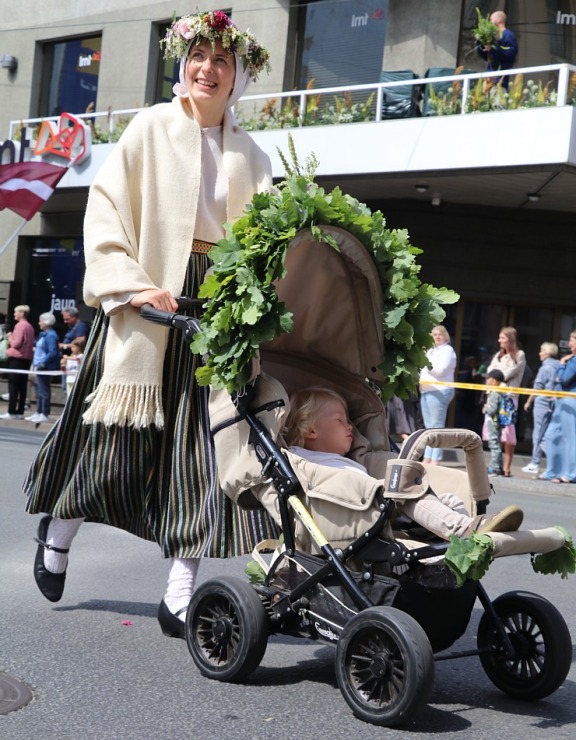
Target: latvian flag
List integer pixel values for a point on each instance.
(26, 186)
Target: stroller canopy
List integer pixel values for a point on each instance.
(336, 300)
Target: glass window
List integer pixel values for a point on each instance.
(56, 275)
(545, 30)
(342, 43)
(71, 76)
(168, 71)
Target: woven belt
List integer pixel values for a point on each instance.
(199, 247)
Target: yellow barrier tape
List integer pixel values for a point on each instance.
(307, 520)
(501, 389)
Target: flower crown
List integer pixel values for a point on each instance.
(214, 26)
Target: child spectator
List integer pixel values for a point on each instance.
(318, 430)
(499, 429)
(70, 364)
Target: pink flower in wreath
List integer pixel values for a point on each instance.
(185, 30)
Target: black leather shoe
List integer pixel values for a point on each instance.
(170, 624)
(51, 585)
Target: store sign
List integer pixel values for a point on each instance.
(565, 19)
(68, 139)
(362, 20)
(87, 60)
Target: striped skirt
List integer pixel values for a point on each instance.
(160, 485)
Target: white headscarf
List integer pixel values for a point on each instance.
(241, 81)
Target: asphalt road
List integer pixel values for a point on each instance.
(93, 676)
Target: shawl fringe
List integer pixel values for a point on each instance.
(125, 405)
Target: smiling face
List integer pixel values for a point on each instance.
(209, 78)
(330, 431)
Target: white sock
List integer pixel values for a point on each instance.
(181, 581)
(60, 534)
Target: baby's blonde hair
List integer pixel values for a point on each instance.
(304, 407)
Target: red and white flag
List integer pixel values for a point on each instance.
(26, 186)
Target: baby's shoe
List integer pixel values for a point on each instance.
(507, 520)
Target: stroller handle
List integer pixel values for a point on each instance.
(187, 324)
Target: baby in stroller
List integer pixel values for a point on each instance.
(318, 429)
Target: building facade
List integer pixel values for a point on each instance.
(489, 197)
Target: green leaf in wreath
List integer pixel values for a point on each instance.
(562, 561)
(469, 558)
(242, 310)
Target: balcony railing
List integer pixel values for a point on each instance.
(448, 93)
(410, 96)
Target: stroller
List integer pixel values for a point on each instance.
(344, 575)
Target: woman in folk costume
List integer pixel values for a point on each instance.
(132, 448)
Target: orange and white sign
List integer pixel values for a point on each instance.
(70, 139)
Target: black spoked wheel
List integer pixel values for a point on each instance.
(226, 629)
(384, 665)
(540, 641)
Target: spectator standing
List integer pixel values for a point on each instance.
(501, 54)
(20, 352)
(435, 399)
(543, 405)
(511, 361)
(494, 431)
(71, 363)
(46, 357)
(76, 329)
(3, 340)
(561, 434)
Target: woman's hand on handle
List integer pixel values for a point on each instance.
(159, 298)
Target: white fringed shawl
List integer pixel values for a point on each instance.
(139, 228)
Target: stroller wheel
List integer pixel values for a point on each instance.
(540, 641)
(226, 629)
(384, 665)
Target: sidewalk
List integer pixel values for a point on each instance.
(57, 404)
(452, 458)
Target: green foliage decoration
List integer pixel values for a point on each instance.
(469, 558)
(255, 572)
(485, 32)
(242, 310)
(562, 561)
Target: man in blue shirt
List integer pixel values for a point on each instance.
(503, 52)
(76, 328)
